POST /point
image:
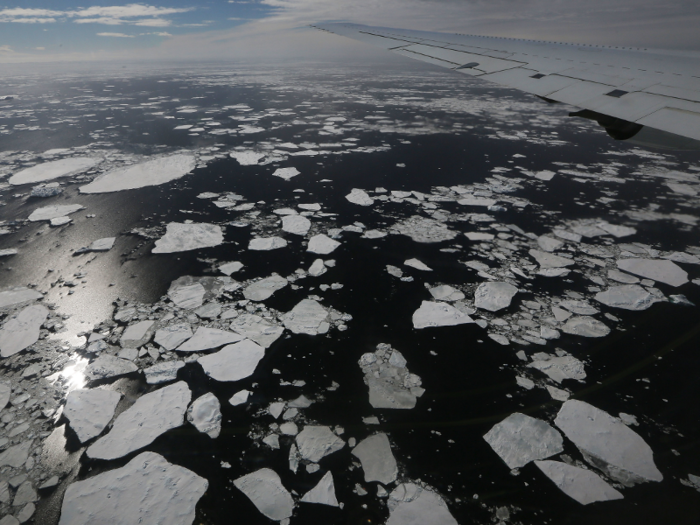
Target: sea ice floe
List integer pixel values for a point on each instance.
(549, 244)
(107, 366)
(627, 297)
(558, 368)
(163, 372)
(378, 462)
(622, 277)
(390, 383)
(54, 170)
(360, 197)
(264, 244)
(256, 329)
(519, 439)
(18, 295)
(233, 362)
(296, 224)
(187, 295)
(433, 314)
(150, 173)
(683, 258)
(207, 339)
(548, 260)
(264, 288)
(148, 489)
(231, 267)
(5, 391)
(322, 244)
(616, 230)
(586, 327)
(180, 237)
(317, 268)
(286, 173)
(580, 484)
(264, 488)
(247, 158)
(100, 245)
(413, 504)
(150, 416)
(494, 296)
(317, 442)
(7, 252)
(173, 335)
(424, 230)
(607, 443)
(48, 213)
(578, 307)
(16, 455)
(89, 411)
(445, 292)
(479, 236)
(664, 271)
(22, 330)
(240, 397)
(418, 265)
(60, 221)
(205, 414)
(471, 200)
(307, 317)
(323, 493)
(137, 334)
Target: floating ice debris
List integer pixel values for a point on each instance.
(692, 481)
(524, 382)
(500, 339)
(580, 484)
(18, 295)
(22, 330)
(187, 295)
(205, 414)
(15, 456)
(378, 462)
(163, 372)
(107, 366)
(148, 489)
(44, 191)
(263, 289)
(413, 504)
(628, 297)
(264, 488)
(360, 197)
(263, 244)
(578, 307)
(100, 245)
(557, 393)
(374, 234)
(286, 173)
(586, 327)
(479, 236)
(240, 397)
(553, 272)
(272, 441)
(181, 237)
(229, 268)
(307, 317)
(683, 258)
(9, 251)
(296, 224)
(150, 173)
(48, 213)
(247, 158)
(256, 329)
(616, 230)
(558, 368)
(317, 268)
(184, 126)
(152, 415)
(471, 200)
(60, 221)
(138, 334)
(549, 244)
(444, 292)
(389, 381)
(5, 391)
(494, 296)
(316, 442)
(657, 270)
(89, 411)
(681, 300)
(607, 443)
(323, 493)
(519, 439)
(173, 336)
(54, 170)
(415, 263)
(207, 339)
(275, 409)
(322, 244)
(622, 277)
(424, 230)
(548, 260)
(432, 314)
(233, 362)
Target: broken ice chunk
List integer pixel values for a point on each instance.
(471, 200)
(432, 314)
(616, 230)
(264, 244)
(657, 270)
(264, 488)
(18, 295)
(607, 443)
(318, 268)
(500, 339)
(389, 381)
(208, 338)
(163, 372)
(415, 263)
(424, 230)
(173, 336)
(413, 504)
(578, 307)
(233, 362)
(548, 260)
(519, 439)
(54, 170)
(22, 330)
(559, 368)
(323, 493)
(16, 456)
(152, 415)
(557, 393)
(307, 317)
(54, 212)
(316, 442)
(264, 288)
(148, 489)
(446, 293)
(296, 224)
(5, 391)
(494, 296)
(60, 221)
(378, 462)
(89, 411)
(137, 335)
(549, 244)
(586, 327)
(479, 236)
(187, 295)
(180, 237)
(360, 197)
(240, 397)
(580, 484)
(229, 268)
(257, 329)
(622, 277)
(100, 245)
(627, 297)
(205, 414)
(107, 366)
(286, 173)
(322, 244)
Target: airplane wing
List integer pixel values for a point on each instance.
(650, 95)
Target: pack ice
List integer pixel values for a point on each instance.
(54, 170)
(519, 439)
(89, 411)
(434, 314)
(389, 381)
(323, 493)
(264, 288)
(233, 362)
(181, 237)
(316, 442)
(664, 271)
(413, 504)
(22, 331)
(494, 296)
(264, 488)
(205, 414)
(307, 317)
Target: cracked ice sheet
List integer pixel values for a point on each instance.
(54, 170)
(233, 362)
(181, 237)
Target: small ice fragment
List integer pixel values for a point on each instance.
(48, 213)
(18, 295)
(622, 277)
(318, 268)
(229, 268)
(323, 493)
(580, 484)
(559, 368)
(89, 411)
(519, 439)
(264, 488)
(307, 317)
(180, 237)
(471, 200)
(547, 260)
(205, 414)
(316, 442)
(415, 263)
(173, 336)
(433, 314)
(524, 382)
(137, 335)
(578, 307)
(360, 197)
(549, 244)
(286, 173)
(8, 252)
(586, 327)
(207, 339)
(424, 230)
(102, 245)
(107, 366)
(187, 295)
(240, 397)
(272, 441)
(233, 362)
(256, 329)
(557, 393)
(16, 455)
(479, 236)
(163, 372)
(322, 244)
(500, 339)
(616, 230)
(263, 289)
(378, 462)
(296, 224)
(494, 296)
(264, 244)
(22, 330)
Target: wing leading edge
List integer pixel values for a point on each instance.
(647, 95)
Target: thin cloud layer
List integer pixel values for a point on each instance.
(137, 14)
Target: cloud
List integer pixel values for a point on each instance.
(134, 14)
(6, 49)
(101, 20)
(40, 48)
(153, 22)
(116, 35)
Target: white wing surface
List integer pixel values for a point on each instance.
(624, 89)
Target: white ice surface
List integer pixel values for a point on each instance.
(434, 314)
(548, 260)
(305, 318)
(317, 442)
(256, 329)
(323, 493)
(18, 295)
(580, 484)
(586, 327)
(264, 488)
(181, 237)
(233, 362)
(264, 288)
(205, 414)
(296, 224)
(494, 296)
(188, 295)
(163, 372)
(378, 462)
(411, 504)
(627, 297)
(264, 244)
(360, 197)
(89, 411)
(286, 173)
(664, 271)
(229, 268)
(53, 212)
(172, 336)
(22, 330)
(54, 170)
(107, 366)
(322, 244)
(207, 339)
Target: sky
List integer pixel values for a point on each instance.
(251, 30)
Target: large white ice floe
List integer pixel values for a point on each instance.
(265, 244)
(233, 362)
(296, 224)
(607, 443)
(390, 383)
(264, 488)
(359, 197)
(180, 237)
(444, 292)
(418, 265)
(256, 329)
(494, 296)
(424, 230)
(558, 368)
(664, 271)
(205, 414)
(286, 173)
(580, 484)
(137, 334)
(549, 260)
(307, 317)
(187, 295)
(378, 462)
(411, 504)
(207, 339)
(519, 439)
(150, 173)
(89, 411)
(22, 330)
(586, 327)
(433, 314)
(322, 244)
(18, 295)
(317, 442)
(231, 267)
(323, 493)
(148, 489)
(54, 170)
(627, 297)
(107, 366)
(264, 288)
(48, 213)
(172, 336)
(152, 415)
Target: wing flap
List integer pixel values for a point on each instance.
(678, 121)
(454, 58)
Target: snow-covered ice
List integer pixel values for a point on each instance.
(296, 224)
(89, 411)
(548, 260)
(239, 397)
(247, 158)
(317, 442)
(424, 230)
(494, 296)
(22, 330)
(172, 336)
(359, 197)
(207, 339)
(233, 362)
(445, 292)
(163, 372)
(627, 297)
(418, 265)
(390, 383)
(54, 170)
(322, 244)
(317, 268)
(286, 173)
(411, 504)
(264, 288)
(16, 455)
(137, 334)
(101, 245)
(264, 488)
(580, 484)
(616, 230)
(558, 368)
(378, 462)
(433, 314)
(664, 271)
(307, 317)
(107, 366)
(586, 327)
(187, 295)
(519, 439)
(48, 213)
(231, 267)
(264, 244)
(323, 493)
(256, 329)
(180, 237)
(205, 414)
